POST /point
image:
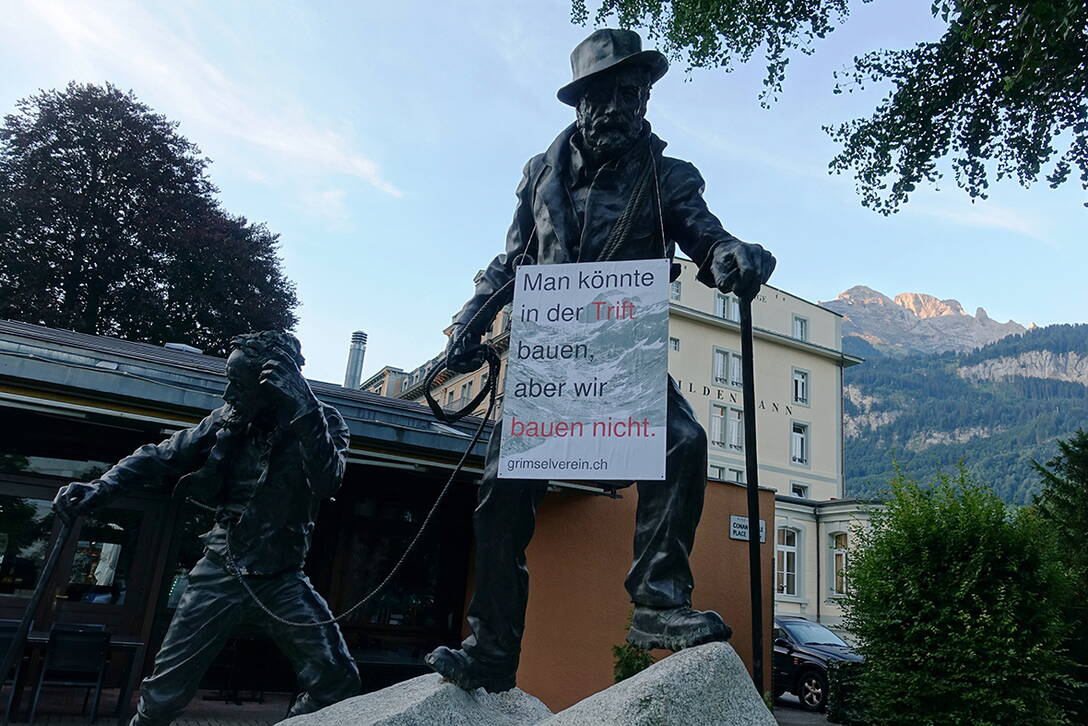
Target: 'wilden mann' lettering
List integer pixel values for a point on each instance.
(566, 351)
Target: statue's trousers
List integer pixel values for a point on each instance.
(213, 605)
(660, 576)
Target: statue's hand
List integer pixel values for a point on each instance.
(73, 500)
(464, 353)
(283, 379)
(741, 268)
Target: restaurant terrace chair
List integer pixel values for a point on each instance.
(76, 656)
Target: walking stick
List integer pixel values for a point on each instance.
(751, 477)
(16, 648)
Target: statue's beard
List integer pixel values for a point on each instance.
(609, 141)
(239, 414)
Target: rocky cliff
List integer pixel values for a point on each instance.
(1068, 366)
(915, 323)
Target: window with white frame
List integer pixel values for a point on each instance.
(449, 396)
(728, 368)
(799, 490)
(717, 425)
(674, 290)
(799, 444)
(727, 306)
(727, 427)
(466, 390)
(786, 548)
(839, 560)
(725, 473)
(800, 327)
(674, 344)
(800, 386)
(734, 429)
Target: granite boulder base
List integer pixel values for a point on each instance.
(703, 686)
(430, 701)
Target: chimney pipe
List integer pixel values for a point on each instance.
(353, 376)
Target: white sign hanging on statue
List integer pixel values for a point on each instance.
(587, 372)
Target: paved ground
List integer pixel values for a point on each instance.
(788, 712)
(62, 707)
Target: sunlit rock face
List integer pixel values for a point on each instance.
(914, 322)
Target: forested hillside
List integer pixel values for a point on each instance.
(995, 409)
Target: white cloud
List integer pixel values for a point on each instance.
(107, 38)
(328, 204)
(744, 148)
(988, 215)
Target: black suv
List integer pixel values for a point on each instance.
(802, 650)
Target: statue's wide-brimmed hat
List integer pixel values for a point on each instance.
(607, 50)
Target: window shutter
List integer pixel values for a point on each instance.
(716, 437)
(719, 366)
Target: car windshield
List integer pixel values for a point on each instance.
(808, 633)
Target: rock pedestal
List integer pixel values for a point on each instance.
(703, 686)
(430, 701)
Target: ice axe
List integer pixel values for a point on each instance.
(16, 648)
(751, 478)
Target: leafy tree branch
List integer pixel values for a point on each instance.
(1002, 94)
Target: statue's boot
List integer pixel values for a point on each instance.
(675, 628)
(460, 668)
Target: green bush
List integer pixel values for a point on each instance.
(843, 682)
(1063, 505)
(957, 605)
(629, 659)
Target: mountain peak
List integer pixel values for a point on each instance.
(927, 306)
(914, 321)
(864, 295)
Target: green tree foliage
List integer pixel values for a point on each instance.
(1063, 505)
(929, 418)
(957, 604)
(109, 225)
(997, 94)
(718, 34)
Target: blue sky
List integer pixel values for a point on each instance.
(383, 141)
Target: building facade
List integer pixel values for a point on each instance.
(799, 365)
(389, 381)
